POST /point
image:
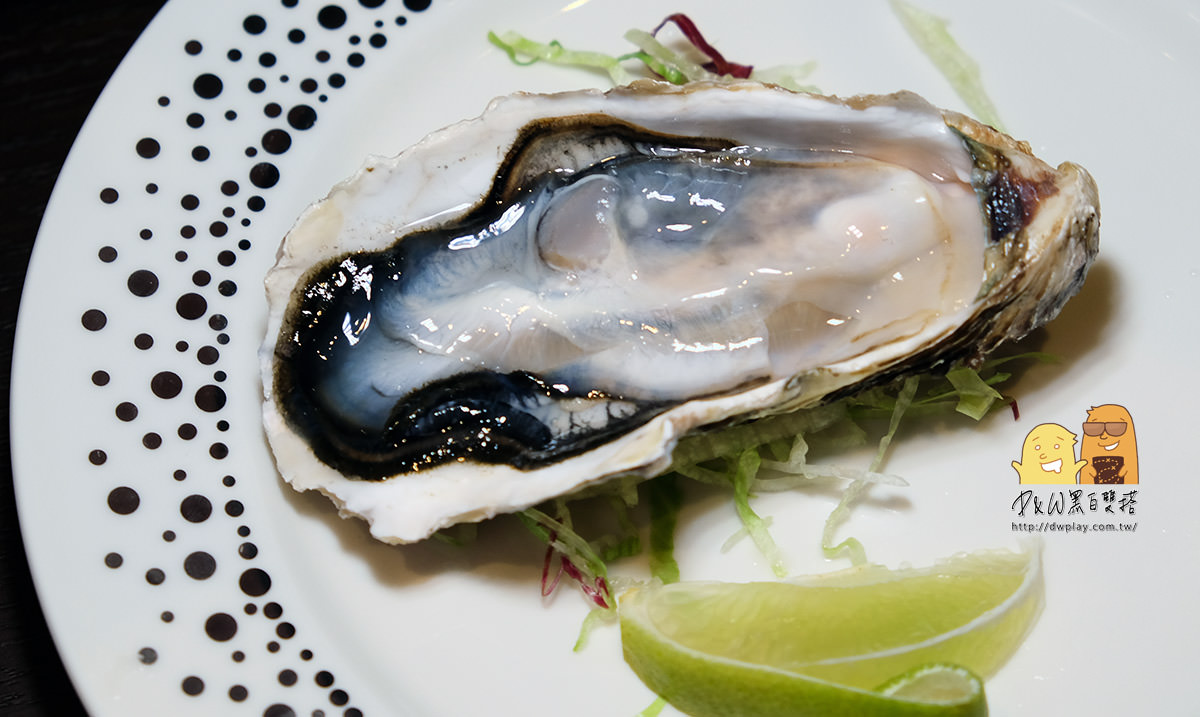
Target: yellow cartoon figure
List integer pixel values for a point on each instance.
(1048, 456)
(1109, 446)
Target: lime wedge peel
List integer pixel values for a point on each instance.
(863, 641)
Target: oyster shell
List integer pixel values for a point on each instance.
(552, 294)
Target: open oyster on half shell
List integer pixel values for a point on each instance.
(554, 293)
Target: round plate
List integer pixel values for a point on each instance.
(180, 575)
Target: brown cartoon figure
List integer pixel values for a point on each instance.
(1048, 456)
(1109, 446)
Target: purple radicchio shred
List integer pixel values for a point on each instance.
(718, 63)
(596, 590)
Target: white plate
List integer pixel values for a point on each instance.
(347, 625)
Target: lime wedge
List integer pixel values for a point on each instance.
(867, 640)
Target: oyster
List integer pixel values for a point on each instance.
(552, 294)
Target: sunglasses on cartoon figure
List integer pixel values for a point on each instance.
(1093, 428)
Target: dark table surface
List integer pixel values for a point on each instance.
(57, 55)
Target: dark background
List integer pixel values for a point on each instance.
(55, 57)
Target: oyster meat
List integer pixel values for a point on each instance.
(552, 294)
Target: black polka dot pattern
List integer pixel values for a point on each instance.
(270, 72)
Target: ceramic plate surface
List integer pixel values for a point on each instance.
(180, 576)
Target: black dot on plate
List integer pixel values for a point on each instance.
(302, 117)
(193, 685)
(100, 378)
(146, 234)
(143, 341)
(337, 80)
(191, 306)
(324, 678)
(331, 17)
(226, 258)
(306, 654)
(93, 319)
(97, 457)
(155, 576)
(218, 451)
(370, 3)
(279, 710)
(148, 147)
(267, 59)
(339, 697)
(227, 288)
(126, 411)
(200, 565)
(296, 36)
(167, 616)
(256, 203)
(238, 693)
(181, 256)
(417, 5)
(148, 655)
(208, 355)
(107, 254)
(308, 85)
(287, 678)
(356, 59)
(200, 153)
(229, 187)
(193, 47)
(276, 141)
(187, 431)
(285, 630)
(179, 474)
(181, 346)
(257, 85)
(272, 109)
(238, 656)
(207, 86)
(218, 229)
(166, 384)
(216, 322)
(255, 582)
(355, 39)
(228, 481)
(164, 101)
(234, 55)
(123, 500)
(272, 646)
(254, 24)
(210, 398)
(195, 508)
(201, 278)
(264, 175)
(187, 231)
(142, 282)
(152, 440)
(249, 551)
(378, 40)
(220, 626)
(189, 202)
(108, 195)
(113, 560)
(168, 536)
(230, 115)
(323, 56)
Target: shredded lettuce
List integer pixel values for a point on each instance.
(932, 35)
(664, 498)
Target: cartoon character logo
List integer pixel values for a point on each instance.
(1048, 456)
(1109, 446)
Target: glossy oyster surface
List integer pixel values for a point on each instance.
(552, 294)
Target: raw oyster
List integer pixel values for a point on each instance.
(552, 294)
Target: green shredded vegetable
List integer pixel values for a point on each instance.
(664, 499)
(932, 35)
